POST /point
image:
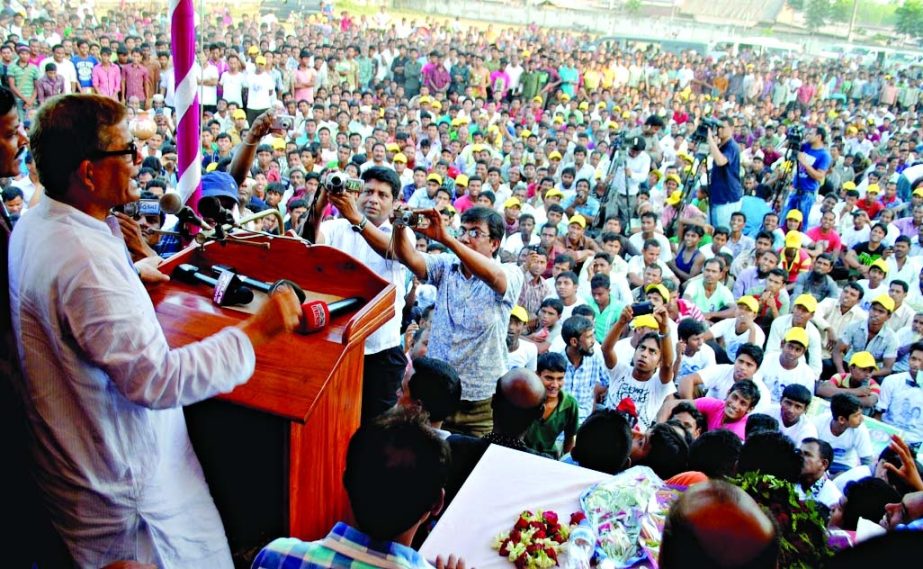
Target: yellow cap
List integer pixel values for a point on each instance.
(885, 301)
(583, 106)
(749, 302)
(554, 192)
(675, 197)
(448, 209)
(880, 264)
(793, 240)
(675, 178)
(626, 115)
(437, 105)
(918, 192)
(657, 173)
(278, 144)
(807, 301)
(558, 119)
(512, 202)
(863, 360)
(659, 289)
(536, 99)
(645, 321)
(212, 166)
(554, 155)
(253, 50)
(260, 60)
(393, 147)
(565, 97)
(849, 185)
(851, 129)
(794, 214)
(477, 147)
(526, 133)
(461, 180)
(873, 189)
(425, 100)
(519, 313)
(579, 220)
(399, 157)
(435, 178)
(799, 335)
(239, 114)
(456, 121)
(612, 125)
(685, 157)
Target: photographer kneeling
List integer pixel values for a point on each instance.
(725, 189)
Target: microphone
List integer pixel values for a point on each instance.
(228, 289)
(261, 286)
(316, 314)
(172, 204)
(211, 208)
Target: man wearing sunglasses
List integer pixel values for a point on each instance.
(112, 456)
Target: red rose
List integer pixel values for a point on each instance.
(521, 523)
(558, 538)
(577, 517)
(553, 528)
(505, 548)
(540, 534)
(537, 525)
(627, 406)
(550, 517)
(515, 536)
(522, 561)
(550, 552)
(533, 548)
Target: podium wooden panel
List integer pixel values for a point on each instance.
(273, 450)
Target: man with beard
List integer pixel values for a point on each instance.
(817, 282)
(521, 354)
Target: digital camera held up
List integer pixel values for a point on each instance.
(337, 182)
(700, 134)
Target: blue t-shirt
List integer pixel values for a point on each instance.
(754, 208)
(725, 180)
(84, 68)
(805, 183)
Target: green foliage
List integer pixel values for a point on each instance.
(803, 539)
(910, 18)
(841, 10)
(816, 13)
(633, 7)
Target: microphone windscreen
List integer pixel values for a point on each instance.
(171, 203)
(314, 316)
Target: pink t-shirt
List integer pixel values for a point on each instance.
(713, 409)
(831, 240)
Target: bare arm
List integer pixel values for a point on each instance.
(687, 385)
(243, 158)
(666, 345)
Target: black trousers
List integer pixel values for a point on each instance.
(382, 375)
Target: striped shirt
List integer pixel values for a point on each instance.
(343, 548)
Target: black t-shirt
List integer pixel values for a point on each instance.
(866, 255)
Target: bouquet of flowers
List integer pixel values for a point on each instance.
(535, 540)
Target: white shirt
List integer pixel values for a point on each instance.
(666, 253)
(848, 448)
(526, 355)
(901, 404)
(777, 378)
(636, 266)
(232, 85)
(727, 330)
(719, 379)
(698, 361)
(648, 396)
(209, 94)
(338, 234)
(65, 69)
(111, 448)
(513, 243)
(777, 331)
(803, 429)
(260, 90)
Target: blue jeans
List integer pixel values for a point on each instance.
(802, 201)
(721, 214)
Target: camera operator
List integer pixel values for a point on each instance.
(142, 232)
(725, 189)
(364, 231)
(813, 162)
(476, 295)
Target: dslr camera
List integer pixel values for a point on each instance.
(700, 135)
(140, 207)
(337, 182)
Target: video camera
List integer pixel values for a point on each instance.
(337, 183)
(140, 207)
(794, 136)
(700, 135)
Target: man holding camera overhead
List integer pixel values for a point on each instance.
(364, 231)
(813, 162)
(725, 189)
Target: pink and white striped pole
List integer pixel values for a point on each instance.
(188, 129)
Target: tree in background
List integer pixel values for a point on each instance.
(816, 13)
(910, 18)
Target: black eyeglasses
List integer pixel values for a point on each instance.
(130, 150)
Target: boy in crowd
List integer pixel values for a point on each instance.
(858, 381)
(731, 413)
(716, 381)
(692, 354)
(561, 413)
(790, 412)
(842, 427)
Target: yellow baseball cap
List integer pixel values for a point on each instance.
(659, 289)
(519, 313)
(554, 155)
(583, 106)
(880, 264)
(749, 302)
(434, 177)
(558, 119)
(685, 156)
(536, 99)
(873, 189)
(807, 301)
(612, 125)
(885, 301)
(656, 173)
(512, 202)
(461, 180)
(425, 100)
(849, 185)
(260, 60)
(393, 147)
(918, 192)
(675, 197)
(796, 334)
(645, 321)
(794, 214)
(565, 97)
(239, 114)
(863, 360)
(554, 192)
(793, 240)
(253, 50)
(675, 178)
(399, 157)
(526, 133)
(437, 105)
(477, 147)
(278, 144)
(579, 220)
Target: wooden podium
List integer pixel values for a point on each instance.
(274, 449)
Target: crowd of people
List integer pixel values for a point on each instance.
(603, 256)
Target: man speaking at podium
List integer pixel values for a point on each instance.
(102, 390)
